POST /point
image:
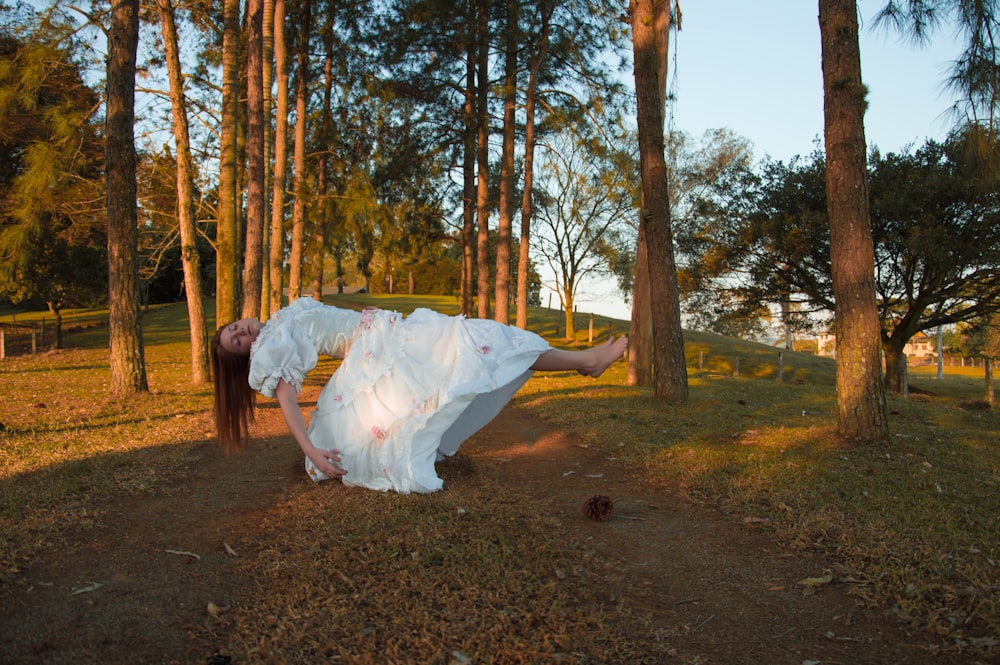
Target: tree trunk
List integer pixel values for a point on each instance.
(280, 158)
(670, 377)
(640, 347)
(226, 235)
(253, 257)
(640, 336)
(483, 160)
(267, 66)
(568, 318)
(860, 394)
(127, 359)
(523, 259)
(299, 183)
(323, 218)
(469, 173)
(895, 365)
(190, 260)
(504, 222)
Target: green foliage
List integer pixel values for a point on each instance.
(52, 240)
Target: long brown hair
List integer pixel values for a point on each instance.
(235, 400)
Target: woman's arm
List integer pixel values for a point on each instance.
(323, 459)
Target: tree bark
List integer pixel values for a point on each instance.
(469, 171)
(861, 412)
(323, 218)
(267, 66)
(670, 376)
(190, 261)
(253, 256)
(226, 235)
(280, 158)
(299, 178)
(523, 259)
(640, 348)
(504, 221)
(483, 160)
(127, 358)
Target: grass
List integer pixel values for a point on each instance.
(913, 526)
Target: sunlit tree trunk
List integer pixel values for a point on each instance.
(640, 348)
(504, 221)
(253, 257)
(227, 236)
(190, 260)
(299, 182)
(861, 411)
(483, 161)
(127, 359)
(670, 377)
(267, 30)
(280, 158)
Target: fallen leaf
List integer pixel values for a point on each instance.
(229, 550)
(93, 586)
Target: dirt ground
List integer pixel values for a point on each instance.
(129, 590)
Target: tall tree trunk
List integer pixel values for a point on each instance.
(127, 359)
(227, 231)
(504, 221)
(640, 336)
(895, 364)
(190, 260)
(280, 158)
(469, 171)
(670, 378)
(323, 218)
(640, 348)
(523, 258)
(299, 186)
(253, 257)
(483, 160)
(267, 31)
(861, 411)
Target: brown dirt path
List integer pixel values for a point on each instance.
(723, 593)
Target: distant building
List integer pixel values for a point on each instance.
(920, 350)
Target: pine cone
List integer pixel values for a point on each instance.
(599, 507)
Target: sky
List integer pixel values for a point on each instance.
(754, 68)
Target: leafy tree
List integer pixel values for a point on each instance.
(52, 235)
(583, 199)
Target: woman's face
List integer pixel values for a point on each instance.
(239, 335)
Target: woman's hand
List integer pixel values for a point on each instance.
(326, 461)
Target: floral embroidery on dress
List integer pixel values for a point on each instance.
(367, 316)
(369, 355)
(378, 432)
(484, 349)
(338, 397)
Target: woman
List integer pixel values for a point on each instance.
(409, 390)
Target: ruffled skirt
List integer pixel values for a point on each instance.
(411, 390)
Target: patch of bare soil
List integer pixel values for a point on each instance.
(142, 585)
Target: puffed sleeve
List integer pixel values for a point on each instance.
(289, 354)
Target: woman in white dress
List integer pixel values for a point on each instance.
(409, 390)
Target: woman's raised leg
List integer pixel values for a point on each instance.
(589, 362)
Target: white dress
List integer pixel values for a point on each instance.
(408, 391)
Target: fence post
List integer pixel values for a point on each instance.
(3, 345)
(781, 365)
(736, 367)
(591, 340)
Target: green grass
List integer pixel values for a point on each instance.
(913, 526)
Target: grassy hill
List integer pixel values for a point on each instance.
(914, 525)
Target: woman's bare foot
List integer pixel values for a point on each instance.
(601, 356)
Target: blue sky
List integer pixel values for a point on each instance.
(754, 68)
